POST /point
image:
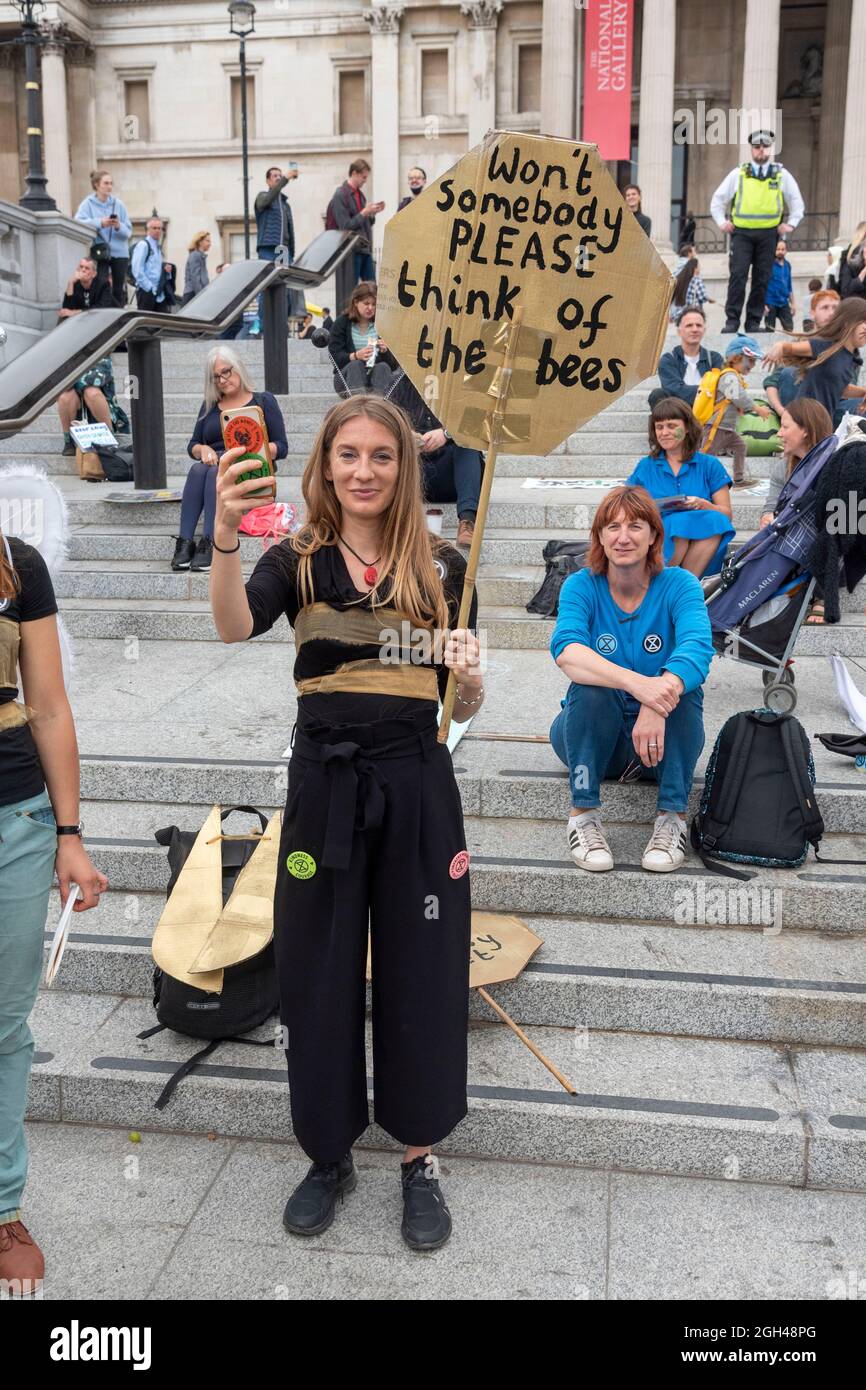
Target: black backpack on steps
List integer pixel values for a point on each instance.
(249, 995)
(561, 559)
(758, 805)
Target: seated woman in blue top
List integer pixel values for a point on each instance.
(227, 386)
(634, 639)
(691, 488)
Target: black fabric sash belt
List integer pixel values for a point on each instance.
(355, 783)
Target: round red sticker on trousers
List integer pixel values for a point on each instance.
(459, 864)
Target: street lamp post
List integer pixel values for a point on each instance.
(242, 14)
(35, 196)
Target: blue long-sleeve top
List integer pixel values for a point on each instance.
(669, 631)
(91, 211)
(780, 286)
(208, 429)
(147, 267)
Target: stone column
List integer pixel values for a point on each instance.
(557, 68)
(832, 108)
(55, 121)
(853, 197)
(384, 21)
(655, 144)
(760, 67)
(483, 16)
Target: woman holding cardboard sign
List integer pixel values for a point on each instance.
(373, 829)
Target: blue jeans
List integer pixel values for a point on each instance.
(453, 474)
(365, 266)
(592, 736)
(28, 845)
(199, 495)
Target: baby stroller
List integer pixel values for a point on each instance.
(759, 601)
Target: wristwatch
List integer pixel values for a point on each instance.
(71, 829)
(446, 434)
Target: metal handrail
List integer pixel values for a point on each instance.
(33, 381)
(813, 233)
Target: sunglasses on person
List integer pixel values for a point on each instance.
(220, 377)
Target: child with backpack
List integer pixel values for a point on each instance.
(722, 397)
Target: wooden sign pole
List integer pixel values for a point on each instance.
(495, 419)
(536, 1051)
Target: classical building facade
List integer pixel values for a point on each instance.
(152, 93)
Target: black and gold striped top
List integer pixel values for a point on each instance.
(353, 664)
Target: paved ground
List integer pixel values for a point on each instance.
(179, 1217)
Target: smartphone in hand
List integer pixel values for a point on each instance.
(244, 428)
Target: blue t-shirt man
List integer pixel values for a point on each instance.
(781, 287)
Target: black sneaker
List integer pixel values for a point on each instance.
(201, 560)
(183, 553)
(68, 450)
(310, 1209)
(731, 328)
(426, 1218)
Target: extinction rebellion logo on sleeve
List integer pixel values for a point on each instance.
(606, 643)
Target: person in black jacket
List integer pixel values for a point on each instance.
(632, 195)
(362, 359)
(681, 369)
(93, 394)
(852, 266)
(449, 473)
(227, 386)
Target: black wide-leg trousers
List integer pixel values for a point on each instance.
(753, 250)
(374, 832)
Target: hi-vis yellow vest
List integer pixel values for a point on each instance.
(758, 202)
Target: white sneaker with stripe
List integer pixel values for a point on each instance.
(666, 850)
(587, 845)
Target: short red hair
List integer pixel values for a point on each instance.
(638, 506)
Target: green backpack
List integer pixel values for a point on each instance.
(761, 436)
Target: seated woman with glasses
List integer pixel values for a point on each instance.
(227, 386)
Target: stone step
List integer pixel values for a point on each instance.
(608, 468)
(151, 579)
(103, 543)
(562, 510)
(521, 865)
(505, 627)
(305, 411)
(498, 777)
(719, 982)
(792, 1115)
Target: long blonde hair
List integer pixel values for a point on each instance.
(836, 331)
(221, 353)
(856, 240)
(407, 563)
(9, 581)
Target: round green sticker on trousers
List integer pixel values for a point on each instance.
(300, 864)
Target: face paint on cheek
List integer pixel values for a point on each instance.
(679, 432)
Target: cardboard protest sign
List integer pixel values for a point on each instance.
(533, 230)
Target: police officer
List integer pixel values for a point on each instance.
(756, 193)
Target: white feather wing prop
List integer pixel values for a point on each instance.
(33, 508)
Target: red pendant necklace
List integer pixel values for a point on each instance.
(371, 574)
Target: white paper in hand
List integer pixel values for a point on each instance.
(853, 700)
(58, 945)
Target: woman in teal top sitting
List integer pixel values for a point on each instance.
(692, 490)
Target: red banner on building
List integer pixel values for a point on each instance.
(608, 30)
